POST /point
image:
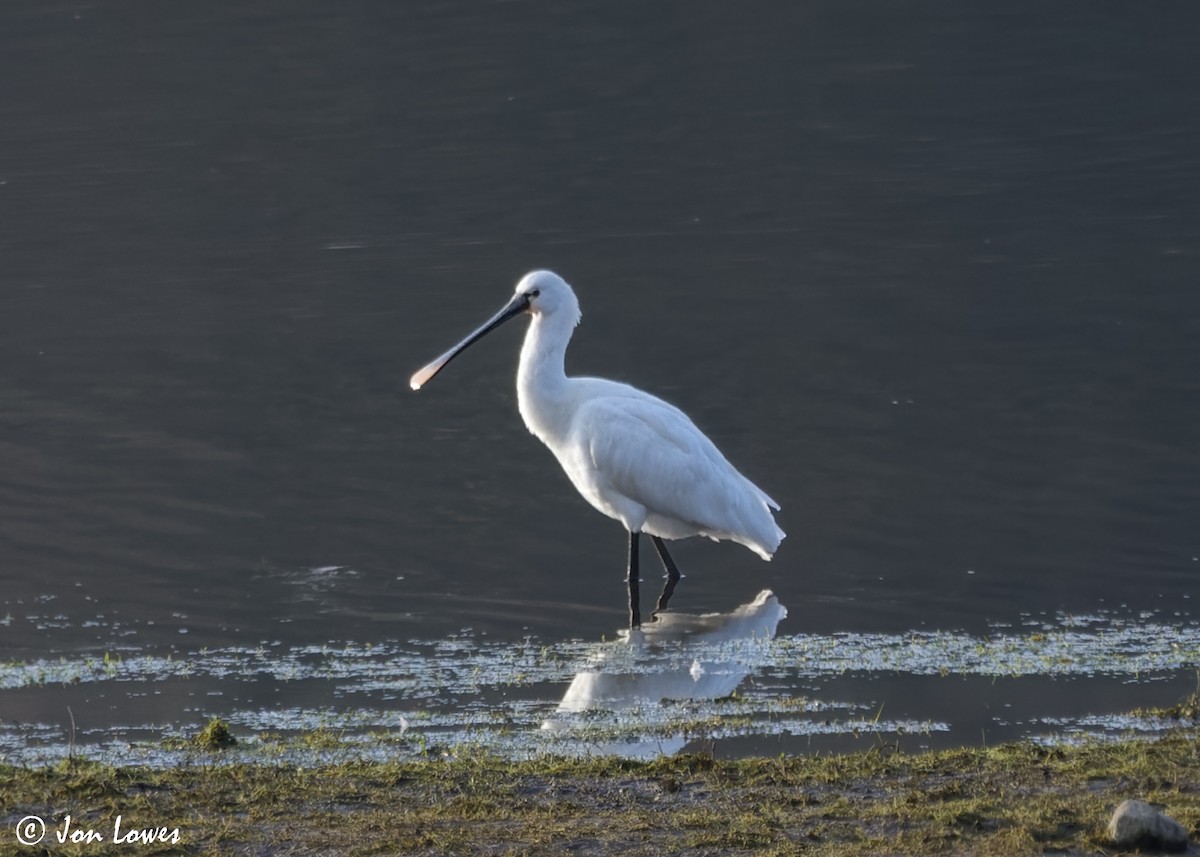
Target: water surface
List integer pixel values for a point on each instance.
(926, 274)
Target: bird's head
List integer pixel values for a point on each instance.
(545, 293)
(542, 294)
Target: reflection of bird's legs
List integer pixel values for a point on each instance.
(635, 615)
(673, 574)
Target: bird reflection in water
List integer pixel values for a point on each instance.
(679, 656)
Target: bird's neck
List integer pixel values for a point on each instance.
(541, 377)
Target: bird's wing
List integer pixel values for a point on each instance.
(652, 453)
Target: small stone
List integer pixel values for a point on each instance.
(1136, 824)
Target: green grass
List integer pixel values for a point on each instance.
(1007, 800)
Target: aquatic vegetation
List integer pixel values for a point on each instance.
(387, 698)
(214, 736)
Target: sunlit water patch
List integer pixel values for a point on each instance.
(1061, 679)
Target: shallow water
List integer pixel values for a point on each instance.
(928, 275)
(741, 694)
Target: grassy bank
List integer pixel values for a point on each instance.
(1015, 799)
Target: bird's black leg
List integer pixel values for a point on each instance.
(673, 574)
(635, 614)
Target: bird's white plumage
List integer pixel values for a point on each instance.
(630, 454)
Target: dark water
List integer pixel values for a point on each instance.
(928, 274)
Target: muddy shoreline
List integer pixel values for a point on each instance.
(1011, 799)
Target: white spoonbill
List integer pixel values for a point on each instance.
(631, 455)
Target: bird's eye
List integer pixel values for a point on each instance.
(535, 293)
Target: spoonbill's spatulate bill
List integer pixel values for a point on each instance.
(631, 455)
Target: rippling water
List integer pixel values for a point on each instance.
(927, 275)
(751, 693)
